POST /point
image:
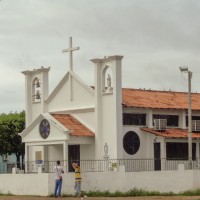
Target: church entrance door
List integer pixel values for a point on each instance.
(73, 155)
(157, 160)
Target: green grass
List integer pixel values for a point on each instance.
(6, 194)
(139, 192)
(191, 192)
(130, 193)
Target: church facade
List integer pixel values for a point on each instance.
(106, 121)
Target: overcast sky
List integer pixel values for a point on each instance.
(154, 36)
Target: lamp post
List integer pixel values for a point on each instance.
(185, 70)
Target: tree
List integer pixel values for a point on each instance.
(10, 142)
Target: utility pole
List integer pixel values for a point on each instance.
(185, 69)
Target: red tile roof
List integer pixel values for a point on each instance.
(158, 99)
(172, 133)
(72, 124)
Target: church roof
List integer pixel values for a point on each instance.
(76, 128)
(171, 133)
(158, 99)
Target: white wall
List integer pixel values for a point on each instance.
(150, 181)
(24, 184)
(55, 152)
(82, 98)
(87, 151)
(109, 133)
(43, 184)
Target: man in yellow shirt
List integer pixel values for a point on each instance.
(77, 171)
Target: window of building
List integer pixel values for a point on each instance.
(131, 142)
(179, 151)
(172, 120)
(134, 119)
(193, 118)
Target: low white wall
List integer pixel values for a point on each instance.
(162, 181)
(43, 183)
(24, 184)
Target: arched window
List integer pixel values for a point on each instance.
(107, 82)
(36, 90)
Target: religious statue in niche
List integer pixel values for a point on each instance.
(106, 157)
(109, 83)
(106, 150)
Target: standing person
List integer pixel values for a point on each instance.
(58, 179)
(77, 186)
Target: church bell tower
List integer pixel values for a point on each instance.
(36, 92)
(108, 106)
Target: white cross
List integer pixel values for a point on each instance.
(70, 50)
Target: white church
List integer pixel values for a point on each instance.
(105, 121)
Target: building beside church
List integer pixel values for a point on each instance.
(106, 121)
(7, 163)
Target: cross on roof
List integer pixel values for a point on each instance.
(70, 50)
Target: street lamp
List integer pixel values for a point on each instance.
(185, 70)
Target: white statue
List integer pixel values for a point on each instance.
(106, 149)
(109, 88)
(109, 81)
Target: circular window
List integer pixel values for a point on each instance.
(44, 128)
(131, 142)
